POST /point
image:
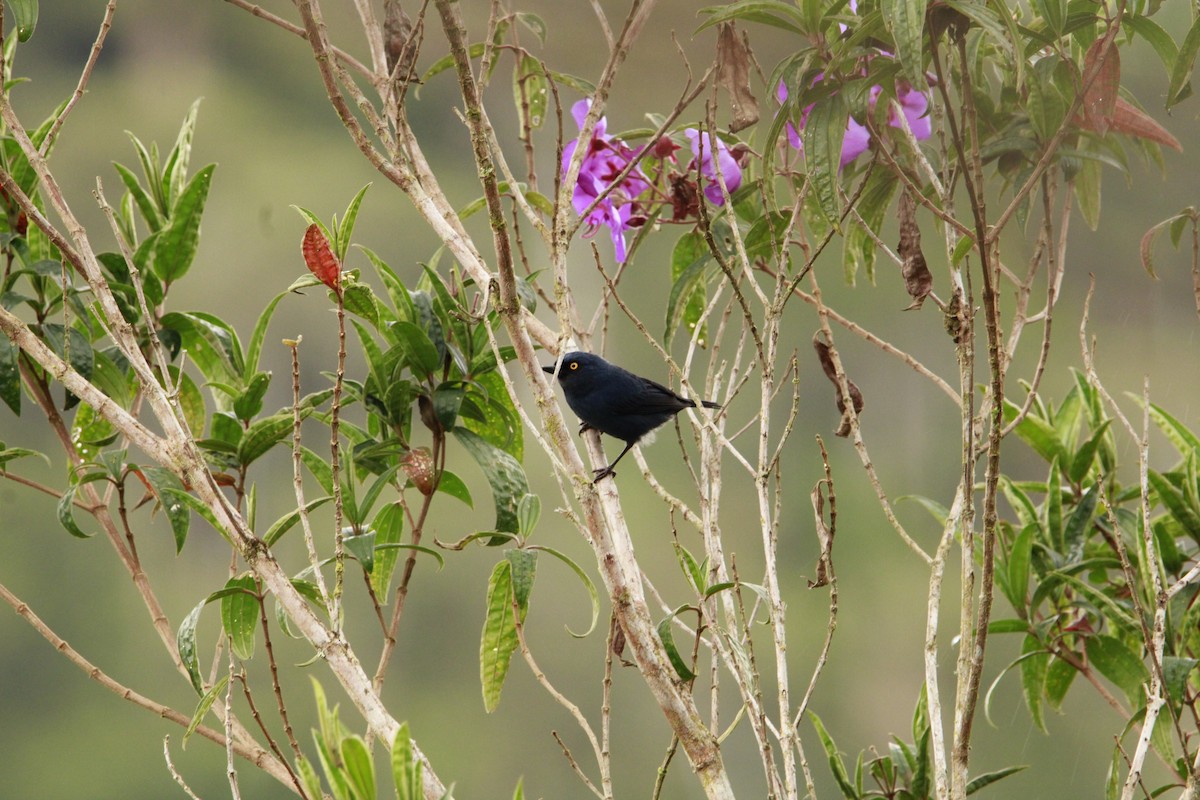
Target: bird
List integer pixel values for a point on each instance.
(613, 400)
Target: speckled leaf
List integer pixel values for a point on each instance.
(177, 243)
(262, 435)
(10, 377)
(823, 134)
(499, 638)
(202, 707)
(179, 515)
(905, 20)
(239, 614)
(504, 474)
(388, 526)
(185, 642)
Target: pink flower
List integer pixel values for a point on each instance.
(857, 140)
(605, 158)
(731, 173)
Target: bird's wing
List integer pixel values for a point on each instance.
(654, 398)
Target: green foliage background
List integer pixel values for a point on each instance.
(265, 121)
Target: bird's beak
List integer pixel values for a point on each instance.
(549, 369)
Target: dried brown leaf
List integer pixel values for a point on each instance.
(826, 358)
(733, 74)
(918, 281)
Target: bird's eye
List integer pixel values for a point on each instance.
(574, 365)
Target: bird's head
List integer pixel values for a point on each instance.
(578, 369)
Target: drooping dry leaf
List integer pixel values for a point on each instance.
(733, 59)
(320, 258)
(824, 538)
(918, 281)
(397, 30)
(856, 396)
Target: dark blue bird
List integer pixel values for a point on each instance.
(615, 401)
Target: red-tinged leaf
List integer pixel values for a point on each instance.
(319, 257)
(1100, 99)
(1129, 119)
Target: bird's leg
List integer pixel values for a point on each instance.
(584, 428)
(606, 471)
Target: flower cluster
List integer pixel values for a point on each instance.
(914, 105)
(625, 204)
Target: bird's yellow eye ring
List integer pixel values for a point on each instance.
(574, 365)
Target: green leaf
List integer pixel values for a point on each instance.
(1110, 656)
(174, 176)
(499, 638)
(388, 526)
(529, 510)
(1075, 532)
(905, 20)
(1181, 72)
(178, 515)
(766, 12)
(504, 474)
(823, 134)
(359, 299)
(668, 641)
(319, 468)
(25, 13)
(991, 777)
(211, 345)
(1059, 676)
(239, 614)
(262, 435)
(360, 770)
(1086, 454)
(1018, 569)
(66, 516)
(1176, 670)
(421, 353)
(288, 521)
(260, 334)
(10, 376)
(198, 506)
(1184, 440)
(12, 453)
(144, 201)
(185, 642)
(203, 707)
(531, 93)
(406, 769)
(587, 584)
(685, 304)
(249, 402)
(1038, 434)
(362, 547)
(1034, 663)
(501, 425)
(453, 485)
(1176, 503)
(177, 243)
(346, 227)
(836, 765)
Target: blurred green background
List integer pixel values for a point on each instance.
(265, 121)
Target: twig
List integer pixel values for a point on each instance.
(174, 772)
(252, 753)
(84, 76)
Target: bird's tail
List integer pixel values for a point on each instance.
(709, 404)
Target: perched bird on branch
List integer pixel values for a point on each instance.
(613, 400)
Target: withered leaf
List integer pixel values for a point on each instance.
(824, 538)
(856, 396)
(918, 281)
(397, 33)
(733, 60)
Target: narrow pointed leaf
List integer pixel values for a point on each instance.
(176, 246)
(203, 707)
